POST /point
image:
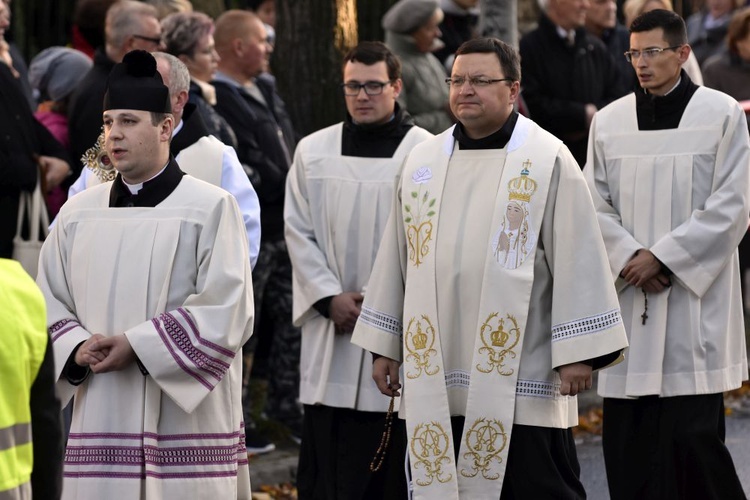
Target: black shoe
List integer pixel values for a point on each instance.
(256, 443)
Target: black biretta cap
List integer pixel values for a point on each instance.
(135, 83)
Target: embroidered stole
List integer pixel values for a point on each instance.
(503, 311)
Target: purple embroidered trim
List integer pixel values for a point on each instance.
(135, 456)
(158, 437)
(119, 475)
(191, 455)
(59, 329)
(176, 357)
(215, 367)
(141, 476)
(104, 435)
(190, 475)
(110, 455)
(207, 343)
(182, 437)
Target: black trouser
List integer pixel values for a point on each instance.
(668, 448)
(542, 463)
(338, 445)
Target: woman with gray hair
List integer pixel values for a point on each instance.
(189, 37)
(412, 33)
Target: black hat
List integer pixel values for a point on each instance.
(136, 84)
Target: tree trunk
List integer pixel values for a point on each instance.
(311, 38)
(499, 19)
(369, 14)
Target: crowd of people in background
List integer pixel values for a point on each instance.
(312, 213)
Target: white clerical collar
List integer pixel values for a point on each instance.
(134, 188)
(675, 85)
(567, 35)
(177, 128)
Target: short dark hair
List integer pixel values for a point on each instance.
(675, 32)
(510, 62)
(157, 118)
(369, 53)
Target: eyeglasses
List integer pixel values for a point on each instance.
(647, 54)
(371, 88)
(156, 41)
(459, 81)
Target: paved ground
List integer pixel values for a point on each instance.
(280, 466)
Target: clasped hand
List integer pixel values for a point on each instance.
(644, 271)
(105, 354)
(345, 309)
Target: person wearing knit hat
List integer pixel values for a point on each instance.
(148, 288)
(53, 74)
(406, 16)
(56, 71)
(412, 33)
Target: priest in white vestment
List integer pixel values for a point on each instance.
(493, 353)
(197, 152)
(339, 194)
(668, 169)
(149, 295)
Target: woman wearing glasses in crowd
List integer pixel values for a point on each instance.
(189, 37)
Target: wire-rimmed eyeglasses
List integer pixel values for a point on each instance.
(648, 54)
(371, 87)
(458, 82)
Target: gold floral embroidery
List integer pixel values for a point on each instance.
(419, 225)
(420, 341)
(482, 442)
(499, 343)
(429, 447)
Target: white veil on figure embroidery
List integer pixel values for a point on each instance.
(513, 242)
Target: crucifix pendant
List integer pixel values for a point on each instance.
(644, 316)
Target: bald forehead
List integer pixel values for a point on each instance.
(237, 24)
(162, 66)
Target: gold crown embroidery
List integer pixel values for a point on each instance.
(522, 187)
(499, 341)
(420, 345)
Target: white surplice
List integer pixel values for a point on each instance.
(683, 194)
(571, 312)
(335, 211)
(176, 280)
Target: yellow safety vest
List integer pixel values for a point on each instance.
(23, 341)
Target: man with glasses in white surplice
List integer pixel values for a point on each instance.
(338, 197)
(668, 171)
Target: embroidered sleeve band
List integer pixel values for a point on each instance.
(381, 321)
(586, 326)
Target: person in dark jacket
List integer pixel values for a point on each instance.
(25, 146)
(707, 28)
(568, 74)
(601, 21)
(189, 36)
(266, 142)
